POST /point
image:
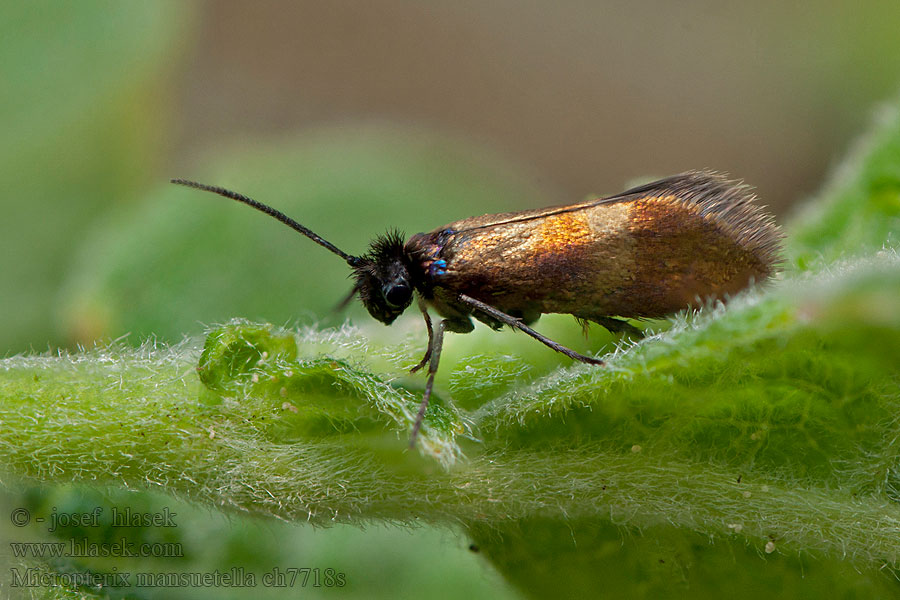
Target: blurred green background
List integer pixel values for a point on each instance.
(358, 117)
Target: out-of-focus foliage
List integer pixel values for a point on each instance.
(83, 105)
(859, 210)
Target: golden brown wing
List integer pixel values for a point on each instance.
(646, 252)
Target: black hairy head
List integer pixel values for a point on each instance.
(383, 279)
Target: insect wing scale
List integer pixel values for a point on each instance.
(647, 252)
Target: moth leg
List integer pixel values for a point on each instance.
(340, 306)
(617, 326)
(456, 325)
(513, 322)
(434, 356)
(428, 326)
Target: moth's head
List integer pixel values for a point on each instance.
(383, 280)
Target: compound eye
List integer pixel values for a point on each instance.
(398, 295)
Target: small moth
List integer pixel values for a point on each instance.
(644, 253)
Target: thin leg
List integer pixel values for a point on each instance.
(435, 357)
(425, 358)
(347, 299)
(513, 322)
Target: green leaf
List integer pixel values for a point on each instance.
(858, 211)
(82, 107)
(808, 465)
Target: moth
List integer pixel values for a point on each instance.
(644, 253)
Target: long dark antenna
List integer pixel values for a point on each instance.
(353, 261)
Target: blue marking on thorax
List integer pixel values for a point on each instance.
(437, 268)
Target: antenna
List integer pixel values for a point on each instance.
(353, 261)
